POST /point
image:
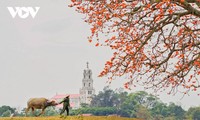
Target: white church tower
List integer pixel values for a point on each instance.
(87, 89)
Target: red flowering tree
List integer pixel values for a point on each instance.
(156, 43)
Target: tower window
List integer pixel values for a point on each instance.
(89, 84)
(89, 92)
(84, 84)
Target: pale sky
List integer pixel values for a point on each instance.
(47, 55)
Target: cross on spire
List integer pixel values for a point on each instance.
(87, 64)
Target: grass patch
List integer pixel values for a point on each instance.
(70, 118)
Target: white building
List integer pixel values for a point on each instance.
(87, 89)
(85, 94)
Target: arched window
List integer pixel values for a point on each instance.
(89, 92)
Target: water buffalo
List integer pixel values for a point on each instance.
(39, 103)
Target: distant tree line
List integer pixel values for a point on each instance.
(136, 105)
(7, 111)
(118, 102)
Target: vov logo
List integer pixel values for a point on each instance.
(23, 12)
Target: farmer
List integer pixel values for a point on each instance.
(66, 105)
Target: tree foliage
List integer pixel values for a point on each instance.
(139, 104)
(108, 98)
(6, 113)
(193, 113)
(143, 113)
(155, 43)
(5, 110)
(97, 111)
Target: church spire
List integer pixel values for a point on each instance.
(87, 65)
(87, 89)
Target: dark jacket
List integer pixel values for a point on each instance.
(65, 102)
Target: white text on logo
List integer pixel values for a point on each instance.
(23, 12)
